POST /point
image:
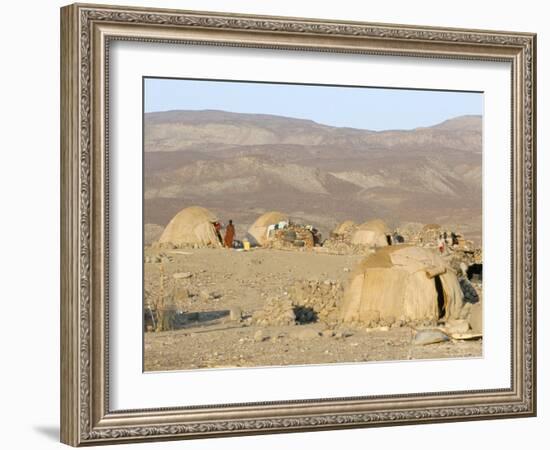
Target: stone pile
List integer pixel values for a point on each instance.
(159, 258)
(305, 302)
(294, 236)
(183, 246)
(276, 312)
(340, 244)
(317, 300)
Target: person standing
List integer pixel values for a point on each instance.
(441, 244)
(229, 234)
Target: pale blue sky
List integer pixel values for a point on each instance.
(357, 107)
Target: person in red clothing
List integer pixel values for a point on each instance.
(441, 244)
(229, 234)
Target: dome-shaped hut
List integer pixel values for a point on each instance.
(402, 282)
(258, 232)
(343, 227)
(373, 233)
(192, 226)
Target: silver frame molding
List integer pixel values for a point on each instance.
(86, 32)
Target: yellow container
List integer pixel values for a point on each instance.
(246, 245)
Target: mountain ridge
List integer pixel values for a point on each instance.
(240, 164)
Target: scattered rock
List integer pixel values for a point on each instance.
(207, 295)
(327, 333)
(159, 258)
(305, 334)
(321, 297)
(398, 323)
(260, 336)
(182, 275)
(276, 311)
(426, 337)
(341, 334)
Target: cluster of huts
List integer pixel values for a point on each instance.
(400, 280)
(198, 227)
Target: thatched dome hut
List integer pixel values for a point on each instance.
(257, 233)
(192, 226)
(373, 233)
(402, 283)
(344, 227)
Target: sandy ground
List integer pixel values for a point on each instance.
(219, 280)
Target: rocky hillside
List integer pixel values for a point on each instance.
(243, 164)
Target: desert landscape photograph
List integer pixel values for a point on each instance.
(291, 224)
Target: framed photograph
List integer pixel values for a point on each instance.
(276, 224)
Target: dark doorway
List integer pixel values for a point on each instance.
(388, 239)
(475, 272)
(440, 296)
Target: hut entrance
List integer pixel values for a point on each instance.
(440, 297)
(388, 239)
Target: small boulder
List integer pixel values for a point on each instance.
(426, 337)
(260, 336)
(342, 334)
(305, 334)
(182, 275)
(207, 295)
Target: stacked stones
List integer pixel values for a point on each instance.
(159, 258)
(294, 236)
(340, 244)
(320, 297)
(306, 302)
(276, 312)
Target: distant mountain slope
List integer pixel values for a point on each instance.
(242, 164)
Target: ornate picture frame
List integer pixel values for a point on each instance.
(87, 31)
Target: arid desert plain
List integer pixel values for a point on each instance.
(345, 249)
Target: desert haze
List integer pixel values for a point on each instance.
(232, 163)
